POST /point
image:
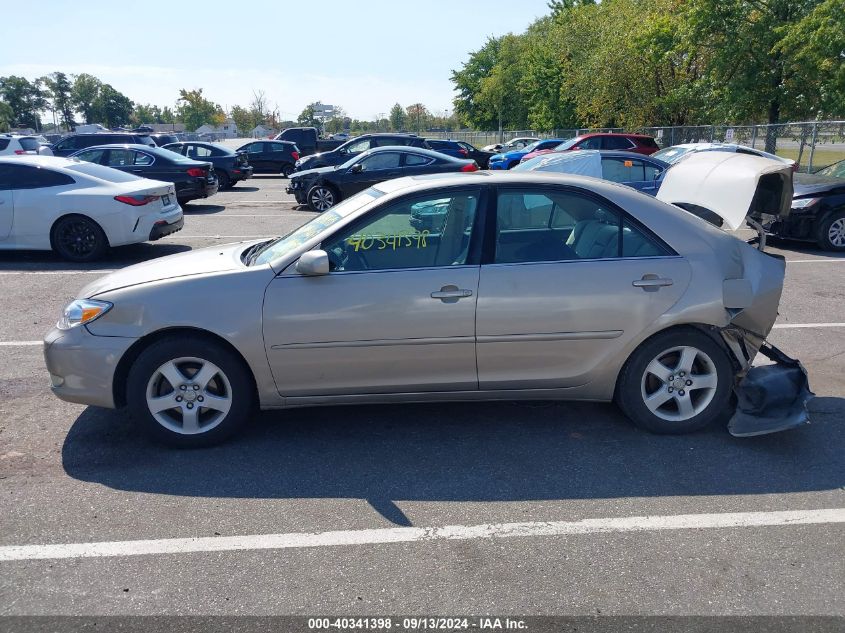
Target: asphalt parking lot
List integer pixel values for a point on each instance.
(76, 475)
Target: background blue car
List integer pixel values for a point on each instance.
(643, 173)
(512, 158)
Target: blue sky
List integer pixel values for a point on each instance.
(363, 55)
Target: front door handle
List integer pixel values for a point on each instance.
(450, 294)
(651, 282)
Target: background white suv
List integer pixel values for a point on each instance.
(11, 144)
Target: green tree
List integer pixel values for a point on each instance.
(243, 118)
(7, 115)
(308, 118)
(25, 98)
(59, 90)
(144, 113)
(83, 94)
(111, 107)
(417, 117)
(398, 118)
(468, 83)
(194, 110)
(167, 115)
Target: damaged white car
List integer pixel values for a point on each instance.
(520, 286)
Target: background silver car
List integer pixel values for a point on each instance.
(527, 286)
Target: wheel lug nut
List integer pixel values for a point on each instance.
(200, 399)
(681, 374)
(183, 387)
(671, 378)
(681, 392)
(671, 390)
(196, 387)
(190, 405)
(178, 398)
(689, 382)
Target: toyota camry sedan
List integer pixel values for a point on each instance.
(532, 287)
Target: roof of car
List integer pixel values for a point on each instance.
(407, 149)
(37, 160)
(146, 148)
(624, 134)
(607, 153)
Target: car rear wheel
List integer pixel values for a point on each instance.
(321, 198)
(287, 170)
(78, 239)
(676, 382)
(189, 391)
(223, 180)
(831, 232)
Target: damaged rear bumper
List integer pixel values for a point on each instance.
(770, 398)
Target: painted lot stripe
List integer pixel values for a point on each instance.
(409, 535)
(815, 261)
(20, 343)
(790, 326)
(177, 237)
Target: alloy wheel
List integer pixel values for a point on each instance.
(322, 198)
(679, 383)
(189, 395)
(836, 233)
(77, 237)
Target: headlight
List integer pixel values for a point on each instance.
(82, 311)
(803, 203)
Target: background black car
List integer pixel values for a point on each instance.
(308, 140)
(161, 139)
(76, 142)
(355, 146)
(324, 187)
(193, 179)
(461, 149)
(271, 157)
(230, 166)
(818, 211)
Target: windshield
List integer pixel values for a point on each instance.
(567, 144)
(282, 246)
(836, 170)
(102, 172)
(530, 148)
(672, 154)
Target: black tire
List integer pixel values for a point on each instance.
(322, 198)
(223, 180)
(78, 239)
(231, 383)
(830, 238)
(636, 383)
(287, 170)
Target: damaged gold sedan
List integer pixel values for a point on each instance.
(479, 286)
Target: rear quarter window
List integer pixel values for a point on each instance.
(29, 144)
(4, 143)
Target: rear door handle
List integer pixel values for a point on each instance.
(651, 282)
(450, 294)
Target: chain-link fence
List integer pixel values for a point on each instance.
(812, 144)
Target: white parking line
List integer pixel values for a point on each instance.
(426, 534)
(213, 237)
(816, 261)
(789, 326)
(20, 343)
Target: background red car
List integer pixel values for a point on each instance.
(637, 143)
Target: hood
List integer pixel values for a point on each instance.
(309, 173)
(809, 184)
(205, 260)
(730, 185)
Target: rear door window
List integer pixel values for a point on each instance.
(92, 155)
(142, 158)
(28, 177)
(622, 170)
(29, 144)
(119, 158)
(616, 142)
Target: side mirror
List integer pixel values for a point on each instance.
(313, 263)
(357, 168)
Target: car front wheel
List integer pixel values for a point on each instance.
(189, 391)
(321, 198)
(831, 232)
(676, 382)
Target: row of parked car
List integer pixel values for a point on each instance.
(323, 179)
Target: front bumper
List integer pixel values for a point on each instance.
(298, 191)
(82, 365)
(162, 228)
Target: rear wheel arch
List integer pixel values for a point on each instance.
(121, 373)
(69, 216)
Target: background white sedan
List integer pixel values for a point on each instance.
(80, 209)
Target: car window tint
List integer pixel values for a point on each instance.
(382, 160)
(143, 159)
(594, 142)
(4, 143)
(622, 170)
(278, 147)
(651, 171)
(29, 177)
(255, 148)
(360, 146)
(415, 160)
(198, 151)
(616, 142)
(423, 231)
(91, 155)
(119, 158)
(29, 144)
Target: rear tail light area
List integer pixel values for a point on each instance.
(20, 151)
(463, 152)
(197, 172)
(136, 201)
(295, 155)
(470, 167)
